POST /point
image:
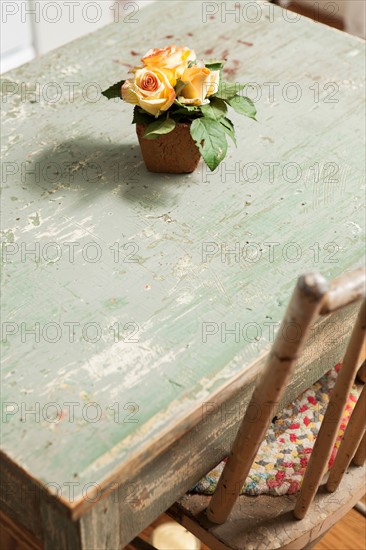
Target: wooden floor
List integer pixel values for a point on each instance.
(348, 534)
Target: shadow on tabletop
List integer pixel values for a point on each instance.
(87, 167)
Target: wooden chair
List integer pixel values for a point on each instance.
(229, 521)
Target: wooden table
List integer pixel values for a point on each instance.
(121, 287)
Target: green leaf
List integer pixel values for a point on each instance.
(183, 106)
(141, 117)
(228, 90)
(214, 65)
(228, 127)
(216, 109)
(180, 112)
(243, 105)
(184, 112)
(210, 138)
(114, 91)
(161, 126)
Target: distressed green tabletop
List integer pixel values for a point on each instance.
(120, 287)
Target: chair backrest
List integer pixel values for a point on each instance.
(311, 298)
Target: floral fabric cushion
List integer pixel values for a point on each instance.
(283, 456)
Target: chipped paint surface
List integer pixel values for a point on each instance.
(75, 186)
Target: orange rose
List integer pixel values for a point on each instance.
(201, 83)
(150, 89)
(172, 61)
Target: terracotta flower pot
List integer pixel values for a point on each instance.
(173, 153)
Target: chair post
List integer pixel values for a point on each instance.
(329, 428)
(351, 440)
(301, 312)
(345, 290)
(360, 455)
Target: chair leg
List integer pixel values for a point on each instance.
(329, 428)
(302, 311)
(360, 455)
(351, 440)
(139, 544)
(361, 375)
(360, 507)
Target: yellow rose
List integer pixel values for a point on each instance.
(213, 83)
(201, 83)
(150, 89)
(172, 61)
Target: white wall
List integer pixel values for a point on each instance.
(34, 27)
(60, 22)
(16, 36)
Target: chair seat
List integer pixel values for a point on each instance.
(283, 455)
(265, 522)
(292, 521)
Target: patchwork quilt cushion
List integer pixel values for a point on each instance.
(283, 456)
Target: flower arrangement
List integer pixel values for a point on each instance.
(171, 87)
